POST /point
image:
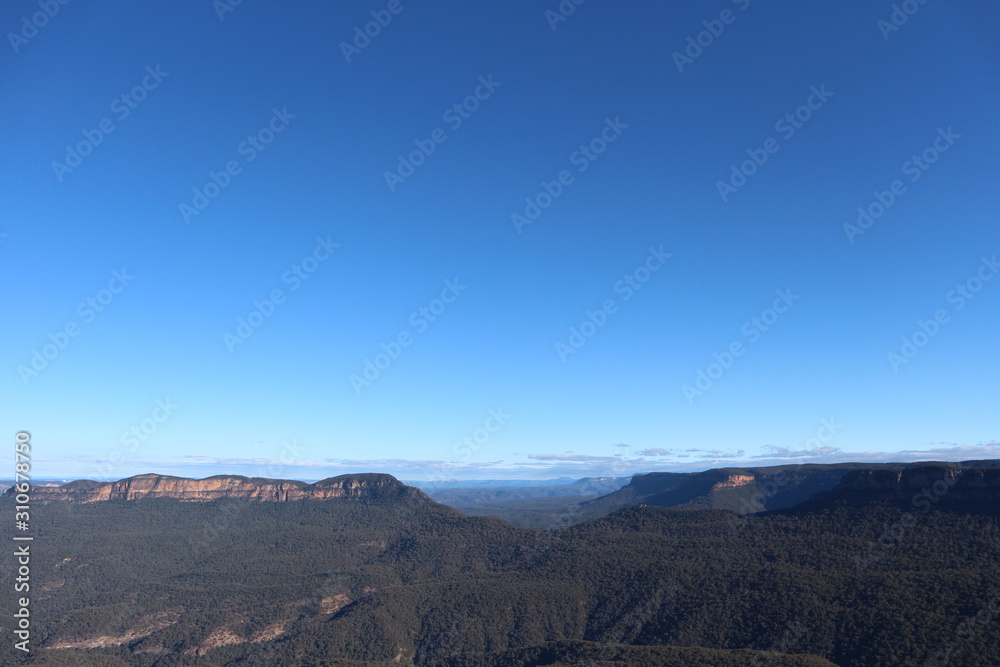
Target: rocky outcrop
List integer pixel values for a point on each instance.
(143, 628)
(368, 486)
(955, 480)
(735, 481)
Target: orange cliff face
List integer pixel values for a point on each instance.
(735, 481)
(363, 486)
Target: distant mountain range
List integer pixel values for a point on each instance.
(588, 486)
(433, 487)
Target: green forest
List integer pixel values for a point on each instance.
(850, 579)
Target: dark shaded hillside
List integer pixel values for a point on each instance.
(741, 490)
(566, 654)
(534, 513)
(857, 580)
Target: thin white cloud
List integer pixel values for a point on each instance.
(827, 454)
(536, 466)
(785, 453)
(570, 457)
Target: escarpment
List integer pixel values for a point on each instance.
(368, 486)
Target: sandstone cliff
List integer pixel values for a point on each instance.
(957, 480)
(369, 486)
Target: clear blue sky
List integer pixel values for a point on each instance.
(328, 121)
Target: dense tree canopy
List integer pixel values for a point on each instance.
(852, 580)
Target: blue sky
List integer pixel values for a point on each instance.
(245, 171)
